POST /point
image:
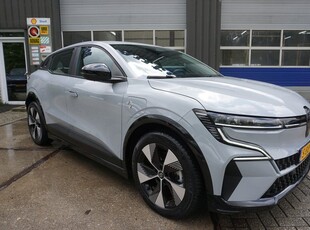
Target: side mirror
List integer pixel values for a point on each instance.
(96, 72)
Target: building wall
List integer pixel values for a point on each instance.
(276, 23)
(266, 14)
(79, 15)
(203, 30)
(200, 19)
(14, 13)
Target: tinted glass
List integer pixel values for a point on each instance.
(142, 36)
(12, 34)
(15, 69)
(61, 62)
(296, 58)
(298, 38)
(169, 37)
(75, 37)
(157, 61)
(265, 57)
(266, 38)
(235, 37)
(235, 57)
(90, 55)
(108, 35)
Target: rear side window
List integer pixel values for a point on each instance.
(44, 65)
(61, 62)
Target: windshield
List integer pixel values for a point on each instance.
(157, 61)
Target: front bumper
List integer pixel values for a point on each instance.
(229, 200)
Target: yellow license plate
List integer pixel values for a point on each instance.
(305, 151)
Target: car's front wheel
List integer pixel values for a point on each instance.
(36, 124)
(166, 175)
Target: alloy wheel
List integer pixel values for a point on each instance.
(161, 176)
(34, 123)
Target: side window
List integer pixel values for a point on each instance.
(61, 62)
(90, 55)
(44, 65)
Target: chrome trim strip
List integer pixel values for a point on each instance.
(247, 146)
(249, 127)
(296, 125)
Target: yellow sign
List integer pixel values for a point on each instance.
(33, 21)
(34, 41)
(44, 30)
(305, 152)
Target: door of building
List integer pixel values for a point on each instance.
(13, 71)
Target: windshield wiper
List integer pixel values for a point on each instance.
(160, 76)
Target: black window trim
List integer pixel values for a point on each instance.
(70, 65)
(77, 56)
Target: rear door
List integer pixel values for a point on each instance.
(54, 94)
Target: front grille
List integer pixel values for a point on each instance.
(291, 178)
(287, 162)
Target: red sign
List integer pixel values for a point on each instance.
(33, 31)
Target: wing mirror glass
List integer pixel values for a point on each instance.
(96, 72)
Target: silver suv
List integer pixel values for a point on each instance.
(183, 131)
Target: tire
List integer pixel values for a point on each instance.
(166, 176)
(36, 124)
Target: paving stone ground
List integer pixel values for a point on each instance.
(292, 212)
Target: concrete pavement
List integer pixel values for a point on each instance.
(57, 188)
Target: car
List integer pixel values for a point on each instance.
(16, 81)
(184, 133)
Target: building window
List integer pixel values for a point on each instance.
(72, 37)
(265, 57)
(171, 38)
(265, 48)
(266, 38)
(235, 57)
(107, 35)
(235, 38)
(296, 38)
(12, 34)
(174, 39)
(141, 36)
(296, 58)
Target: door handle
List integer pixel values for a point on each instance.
(73, 94)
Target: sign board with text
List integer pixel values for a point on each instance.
(39, 39)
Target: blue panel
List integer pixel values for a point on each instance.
(278, 76)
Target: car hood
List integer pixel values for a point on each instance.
(236, 96)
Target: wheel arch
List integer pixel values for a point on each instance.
(30, 98)
(163, 124)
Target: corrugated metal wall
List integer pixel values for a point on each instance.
(14, 13)
(122, 14)
(266, 14)
(203, 30)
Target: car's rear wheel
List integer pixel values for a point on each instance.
(36, 124)
(166, 175)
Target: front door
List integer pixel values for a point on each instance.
(13, 70)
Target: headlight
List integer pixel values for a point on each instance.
(215, 121)
(239, 121)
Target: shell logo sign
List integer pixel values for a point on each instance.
(39, 39)
(33, 21)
